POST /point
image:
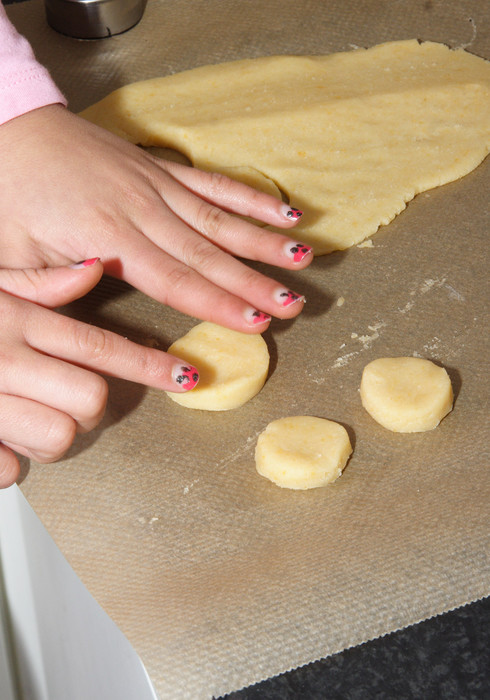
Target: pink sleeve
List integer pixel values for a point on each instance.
(24, 84)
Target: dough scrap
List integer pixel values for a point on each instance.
(302, 452)
(350, 137)
(406, 394)
(232, 366)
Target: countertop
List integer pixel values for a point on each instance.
(442, 658)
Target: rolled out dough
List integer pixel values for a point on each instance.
(302, 452)
(349, 138)
(406, 394)
(232, 366)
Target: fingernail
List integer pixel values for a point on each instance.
(297, 251)
(285, 297)
(291, 212)
(255, 317)
(185, 376)
(83, 263)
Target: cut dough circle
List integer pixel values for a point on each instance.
(302, 452)
(406, 394)
(232, 367)
(365, 132)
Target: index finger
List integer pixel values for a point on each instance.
(106, 352)
(232, 195)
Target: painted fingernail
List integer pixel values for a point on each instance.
(255, 317)
(291, 212)
(285, 297)
(84, 263)
(297, 251)
(185, 376)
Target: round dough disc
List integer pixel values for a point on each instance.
(232, 366)
(302, 452)
(406, 394)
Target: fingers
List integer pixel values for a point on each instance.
(52, 286)
(96, 349)
(48, 394)
(178, 265)
(69, 389)
(206, 216)
(236, 296)
(35, 430)
(9, 467)
(234, 196)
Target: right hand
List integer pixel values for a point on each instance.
(49, 389)
(70, 189)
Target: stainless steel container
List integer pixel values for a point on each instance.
(93, 19)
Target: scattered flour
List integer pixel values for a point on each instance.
(188, 488)
(473, 35)
(345, 359)
(408, 307)
(147, 521)
(428, 284)
(453, 293)
(365, 340)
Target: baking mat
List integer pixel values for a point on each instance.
(218, 578)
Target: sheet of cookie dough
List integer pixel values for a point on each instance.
(349, 138)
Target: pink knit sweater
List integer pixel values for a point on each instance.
(24, 83)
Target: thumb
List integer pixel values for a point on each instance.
(52, 286)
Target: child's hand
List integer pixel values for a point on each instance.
(70, 190)
(48, 392)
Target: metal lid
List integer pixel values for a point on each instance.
(93, 19)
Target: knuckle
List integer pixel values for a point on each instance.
(59, 435)
(9, 467)
(7, 361)
(150, 364)
(177, 279)
(219, 183)
(108, 223)
(95, 398)
(256, 200)
(202, 255)
(249, 278)
(212, 220)
(95, 344)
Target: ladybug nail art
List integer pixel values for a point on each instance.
(285, 297)
(298, 251)
(255, 317)
(187, 377)
(291, 212)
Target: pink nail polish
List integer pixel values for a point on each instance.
(297, 251)
(84, 263)
(291, 212)
(285, 297)
(185, 376)
(255, 317)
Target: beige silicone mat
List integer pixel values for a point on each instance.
(218, 578)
